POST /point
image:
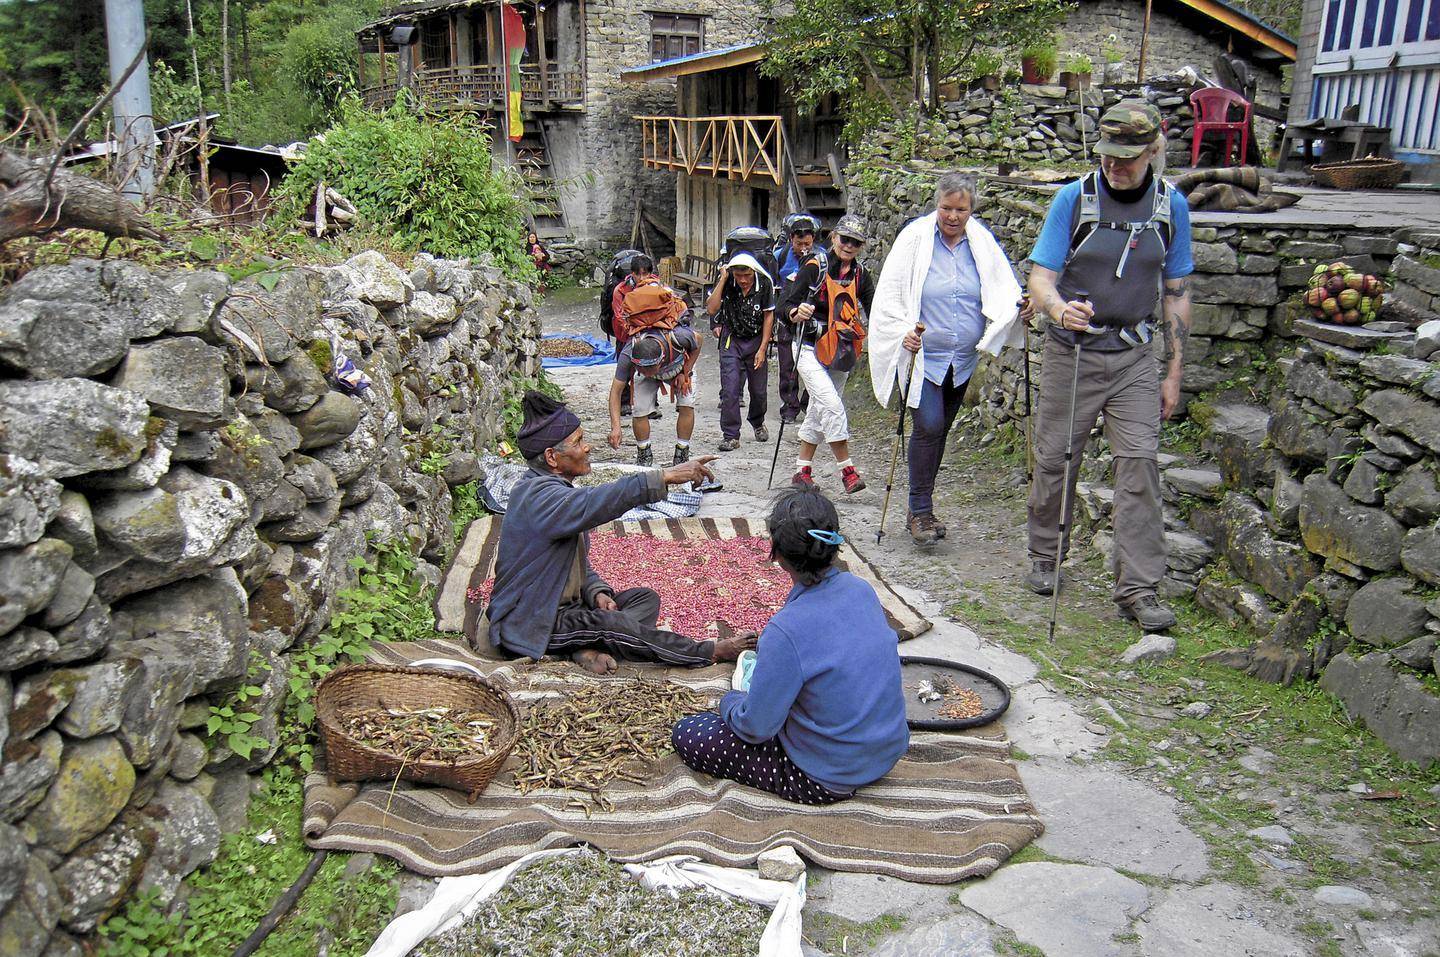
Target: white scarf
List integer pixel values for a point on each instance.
(897, 303)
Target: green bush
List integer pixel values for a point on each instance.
(429, 184)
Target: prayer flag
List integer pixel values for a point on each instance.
(512, 29)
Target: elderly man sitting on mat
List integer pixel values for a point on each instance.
(547, 599)
(825, 713)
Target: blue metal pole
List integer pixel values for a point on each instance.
(134, 121)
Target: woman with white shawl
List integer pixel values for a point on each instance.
(947, 273)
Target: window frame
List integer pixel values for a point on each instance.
(671, 29)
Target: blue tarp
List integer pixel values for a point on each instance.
(604, 352)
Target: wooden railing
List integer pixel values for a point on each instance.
(469, 87)
(732, 147)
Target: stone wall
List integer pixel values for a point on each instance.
(617, 37)
(181, 494)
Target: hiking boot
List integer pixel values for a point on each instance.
(1147, 612)
(802, 477)
(1041, 579)
(939, 529)
(682, 455)
(851, 477)
(762, 434)
(645, 457)
(729, 445)
(922, 528)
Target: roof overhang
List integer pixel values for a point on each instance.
(703, 62)
(1244, 24)
(418, 11)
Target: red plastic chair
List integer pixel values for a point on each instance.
(1211, 106)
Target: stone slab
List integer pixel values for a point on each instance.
(1209, 920)
(958, 934)
(1100, 816)
(1351, 337)
(863, 897)
(1067, 910)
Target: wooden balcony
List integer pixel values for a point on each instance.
(740, 148)
(483, 88)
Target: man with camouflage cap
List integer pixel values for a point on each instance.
(1115, 245)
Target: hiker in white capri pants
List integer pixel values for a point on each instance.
(808, 305)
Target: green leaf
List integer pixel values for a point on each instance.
(241, 743)
(268, 280)
(213, 725)
(206, 247)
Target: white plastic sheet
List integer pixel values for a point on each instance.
(456, 899)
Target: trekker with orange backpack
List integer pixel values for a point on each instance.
(656, 359)
(830, 314)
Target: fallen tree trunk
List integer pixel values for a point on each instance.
(29, 208)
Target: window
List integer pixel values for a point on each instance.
(435, 43)
(675, 35)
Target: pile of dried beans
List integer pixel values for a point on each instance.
(565, 348)
(598, 733)
(421, 734)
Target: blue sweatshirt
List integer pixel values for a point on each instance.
(547, 520)
(827, 681)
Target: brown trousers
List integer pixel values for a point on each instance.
(1125, 386)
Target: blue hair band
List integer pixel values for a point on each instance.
(829, 538)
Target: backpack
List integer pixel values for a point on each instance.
(753, 240)
(1087, 217)
(619, 271)
(675, 363)
(651, 305)
(840, 345)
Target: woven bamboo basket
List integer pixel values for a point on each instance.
(394, 686)
(1372, 172)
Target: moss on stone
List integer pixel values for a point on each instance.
(322, 355)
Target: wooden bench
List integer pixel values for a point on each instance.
(694, 277)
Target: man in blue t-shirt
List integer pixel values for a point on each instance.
(1115, 246)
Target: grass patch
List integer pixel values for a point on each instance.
(227, 899)
(837, 935)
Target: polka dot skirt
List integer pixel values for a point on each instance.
(707, 744)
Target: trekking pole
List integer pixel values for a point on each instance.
(899, 438)
(1064, 524)
(1029, 436)
(780, 434)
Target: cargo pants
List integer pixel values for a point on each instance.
(1125, 386)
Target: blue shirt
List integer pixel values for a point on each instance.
(950, 310)
(827, 682)
(1053, 244)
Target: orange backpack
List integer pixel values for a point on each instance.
(840, 345)
(652, 305)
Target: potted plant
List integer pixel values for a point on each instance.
(1037, 62)
(1075, 73)
(1114, 57)
(985, 71)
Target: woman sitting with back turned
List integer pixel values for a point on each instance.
(825, 713)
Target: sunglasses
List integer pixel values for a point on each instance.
(851, 242)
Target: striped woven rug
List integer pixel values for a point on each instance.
(474, 563)
(952, 808)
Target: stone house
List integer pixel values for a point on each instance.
(1381, 59)
(580, 148)
(745, 154)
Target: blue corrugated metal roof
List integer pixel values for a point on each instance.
(688, 58)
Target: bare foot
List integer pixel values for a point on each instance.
(595, 661)
(728, 649)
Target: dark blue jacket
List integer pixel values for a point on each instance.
(547, 520)
(827, 682)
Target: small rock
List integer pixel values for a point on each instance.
(780, 864)
(1359, 787)
(1338, 895)
(1272, 834)
(1197, 709)
(1149, 648)
(1282, 864)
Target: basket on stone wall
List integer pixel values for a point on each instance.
(394, 686)
(1372, 172)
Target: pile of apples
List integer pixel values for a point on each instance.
(1341, 295)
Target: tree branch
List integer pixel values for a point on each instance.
(94, 110)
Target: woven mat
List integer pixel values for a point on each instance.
(474, 563)
(952, 808)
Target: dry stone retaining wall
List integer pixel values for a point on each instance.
(181, 493)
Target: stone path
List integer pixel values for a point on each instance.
(1117, 871)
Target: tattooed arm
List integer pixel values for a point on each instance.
(1175, 325)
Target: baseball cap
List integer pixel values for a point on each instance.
(1127, 128)
(852, 226)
